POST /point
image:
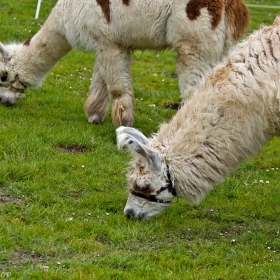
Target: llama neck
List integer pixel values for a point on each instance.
(39, 54)
(205, 143)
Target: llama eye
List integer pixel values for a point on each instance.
(4, 77)
(140, 188)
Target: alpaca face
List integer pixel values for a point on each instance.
(11, 89)
(151, 186)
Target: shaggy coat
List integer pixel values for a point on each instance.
(233, 114)
(201, 32)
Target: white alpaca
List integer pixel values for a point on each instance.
(200, 32)
(226, 121)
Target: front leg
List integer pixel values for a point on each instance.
(114, 66)
(193, 64)
(98, 100)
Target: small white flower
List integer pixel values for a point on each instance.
(261, 181)
(267, 182)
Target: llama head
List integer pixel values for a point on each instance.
(151, 187)
(11, 88)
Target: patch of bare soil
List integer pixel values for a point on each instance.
(20, 256)
(73, 149)
(5, 198)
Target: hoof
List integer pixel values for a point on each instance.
(95, 119)
(123, 122)
(122, 114)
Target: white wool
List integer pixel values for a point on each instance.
(228, 119)
(112, 29)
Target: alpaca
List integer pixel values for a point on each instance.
(228, 119)
(201, 32)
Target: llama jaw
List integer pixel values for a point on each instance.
(141, 208)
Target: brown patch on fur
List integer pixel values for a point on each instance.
(105, 6)
(214, 7)
(238, 16)
(126, 2)
(27, 43)
(147, 190)
(236, 13)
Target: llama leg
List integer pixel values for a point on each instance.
(115, 65)
(122, 110)
(98, 100)
(192, 65)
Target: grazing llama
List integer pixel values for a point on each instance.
(226, 121)
(201, 32)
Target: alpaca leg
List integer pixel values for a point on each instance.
(98, 100)
(122, 110)
(115, 65)
(192, 66)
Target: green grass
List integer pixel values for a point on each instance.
(61, 214)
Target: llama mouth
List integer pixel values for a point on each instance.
(130, 214)
(15, 87)
(9, 97)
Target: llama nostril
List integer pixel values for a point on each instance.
(4, 77)
(129, 213)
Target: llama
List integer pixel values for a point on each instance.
(201, 32)
(226, 121)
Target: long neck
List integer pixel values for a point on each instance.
(40, 54)
(212, 134)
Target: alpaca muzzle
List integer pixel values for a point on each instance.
(11, 92)
(15, 86)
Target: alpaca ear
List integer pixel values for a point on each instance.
(137, 148)
(134, 133)
(4, 53)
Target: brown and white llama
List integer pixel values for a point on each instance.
(225, 122)
(201, 32)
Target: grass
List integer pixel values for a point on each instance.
(61, 214)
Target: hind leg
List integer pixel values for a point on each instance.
(98, 100)
(115, 64)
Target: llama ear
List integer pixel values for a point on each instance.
(4, 53)
(140, 149)
(134, 133)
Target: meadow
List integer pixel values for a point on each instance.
(63, 187)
